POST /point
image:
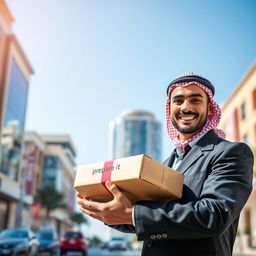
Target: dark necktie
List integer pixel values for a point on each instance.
(186, 150)
(175, 155)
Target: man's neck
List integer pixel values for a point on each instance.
(183, 136)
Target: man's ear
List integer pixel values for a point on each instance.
(210, 109)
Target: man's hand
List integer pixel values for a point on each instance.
(114, 212)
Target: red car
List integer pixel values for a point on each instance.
(73, 241)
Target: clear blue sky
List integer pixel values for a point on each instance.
(95, 58)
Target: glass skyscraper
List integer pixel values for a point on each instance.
(133, 133)
(13, 123)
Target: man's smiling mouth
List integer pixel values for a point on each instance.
(186, 117)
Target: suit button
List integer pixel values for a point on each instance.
(149, 243)
(153, 237)
(164, 235)
(158, 236)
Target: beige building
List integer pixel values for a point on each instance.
(15, 72)
(48, 160)
(239, 123)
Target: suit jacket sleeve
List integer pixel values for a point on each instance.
(224, 192)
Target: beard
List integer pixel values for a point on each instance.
(190, 129)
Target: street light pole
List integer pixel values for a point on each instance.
(20, 202)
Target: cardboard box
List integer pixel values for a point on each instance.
(140, 177)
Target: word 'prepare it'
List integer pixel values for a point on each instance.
(106, 169)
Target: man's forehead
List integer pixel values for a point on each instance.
(188, 90)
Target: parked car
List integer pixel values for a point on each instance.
(48, 241)
(104, 245)
(18, 242)
(117, 243)
(73, 241)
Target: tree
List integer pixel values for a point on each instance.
(95, 241)
(79, 219)
(51, 199)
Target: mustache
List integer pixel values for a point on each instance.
(187, 114)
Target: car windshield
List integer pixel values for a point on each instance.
(45, 235)
(73, 235)
(14, 234)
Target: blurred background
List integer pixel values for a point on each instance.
(84, 81)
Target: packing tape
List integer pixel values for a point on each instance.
(106, 174)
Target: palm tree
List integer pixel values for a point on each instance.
(78, 218)
(50, 198)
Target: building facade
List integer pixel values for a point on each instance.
(133, 133)
(239, 123)
(48, 160)
(15, 72)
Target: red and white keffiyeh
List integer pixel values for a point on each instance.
(212, 121)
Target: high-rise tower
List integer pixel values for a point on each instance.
(133, 133)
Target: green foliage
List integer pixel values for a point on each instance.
(134, 239)
(95, 241)
(50, 198)
(79, 218)
(247, 230)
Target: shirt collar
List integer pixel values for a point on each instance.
(191, 144)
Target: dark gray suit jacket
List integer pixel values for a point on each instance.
(218, 182)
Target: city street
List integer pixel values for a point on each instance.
(100, 252)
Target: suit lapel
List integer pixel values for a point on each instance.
(206, 143)
(169, 161)
(193, 155)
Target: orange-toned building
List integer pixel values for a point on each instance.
(15, 71)
(28, 160)
(239, 123)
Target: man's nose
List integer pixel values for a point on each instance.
(185, 106)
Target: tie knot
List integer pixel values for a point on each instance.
(179, 152)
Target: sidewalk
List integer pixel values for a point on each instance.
(246, 252)
(250, 251)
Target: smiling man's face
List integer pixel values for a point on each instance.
(189, 110)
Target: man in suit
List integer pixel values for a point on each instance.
(217, 184)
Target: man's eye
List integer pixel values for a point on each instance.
(178, 101)
(196, 100)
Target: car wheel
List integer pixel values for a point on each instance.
(56, 252)
(31, 253)
(84, 253)
(62, 252)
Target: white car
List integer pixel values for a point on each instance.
(117, 243)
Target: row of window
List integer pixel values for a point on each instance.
(246, 138)
(243, 107)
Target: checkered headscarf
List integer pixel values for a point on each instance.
(212, 121)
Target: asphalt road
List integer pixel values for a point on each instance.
(100, 252)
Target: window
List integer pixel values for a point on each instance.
(16, 100)
(246, 139)
(243, 111)
(14, 121)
